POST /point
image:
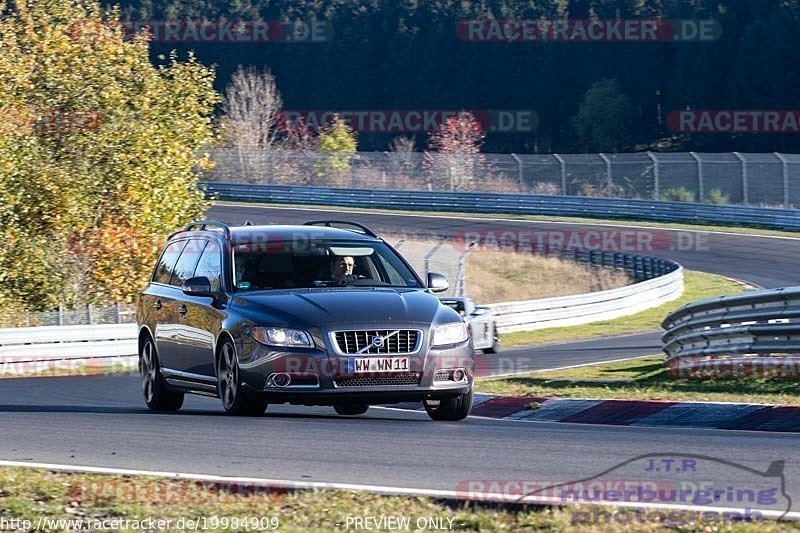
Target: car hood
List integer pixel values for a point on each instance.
(323, 307)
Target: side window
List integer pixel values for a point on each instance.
(166, 264)
(184, 269)
(210, 265)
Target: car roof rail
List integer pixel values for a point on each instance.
(329, 223)
(202, 224)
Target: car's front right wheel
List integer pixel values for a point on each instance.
(235, 399)
(455, 408)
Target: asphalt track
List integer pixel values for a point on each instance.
(100, 421)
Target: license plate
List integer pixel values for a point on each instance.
(363, 365)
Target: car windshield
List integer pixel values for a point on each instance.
(456, 305)
(319, 263)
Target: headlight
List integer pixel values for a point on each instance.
(293, 338)
(450, 334)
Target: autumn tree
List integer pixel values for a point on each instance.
(455, 157)
(336, 147)
(98, 153)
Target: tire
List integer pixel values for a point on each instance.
(452, 409)
(495, 347)
(235, 399)
(351, 408)
(155, 392)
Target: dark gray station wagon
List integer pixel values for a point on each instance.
(326, 313)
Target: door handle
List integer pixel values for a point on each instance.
(182, 310)
(157, 305)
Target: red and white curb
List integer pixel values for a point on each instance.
(642, 413)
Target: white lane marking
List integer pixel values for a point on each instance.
(376, 489)
(568, 367)
(503, 219)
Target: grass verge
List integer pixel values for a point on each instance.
(698, 285)
(644, 379)
(29, 494)
(504, 277)
(543, 218)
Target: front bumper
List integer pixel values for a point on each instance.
(321, 378)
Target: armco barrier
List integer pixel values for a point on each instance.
(662, 281)
(64, 343)
(481, 202)
(730, 336)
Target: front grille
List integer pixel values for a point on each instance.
(407, 378)
(403, 341)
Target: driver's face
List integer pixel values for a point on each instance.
(342, 266)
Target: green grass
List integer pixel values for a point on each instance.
(546, 218)
(698, 285)
(30, 494)
(645, 379)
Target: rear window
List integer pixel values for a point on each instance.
(166, 263)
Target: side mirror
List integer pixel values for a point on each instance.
(199, 286)
(437, 282)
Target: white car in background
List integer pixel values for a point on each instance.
(480, 321)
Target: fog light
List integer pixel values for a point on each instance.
(281, 380)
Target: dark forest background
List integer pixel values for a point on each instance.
(406, 55)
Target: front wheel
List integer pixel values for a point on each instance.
(155, 392)
(495, 347)
(234, 398)
(452, 409)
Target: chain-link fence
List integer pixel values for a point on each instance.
(442, 257)
(768, 179)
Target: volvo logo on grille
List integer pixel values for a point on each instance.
(377, 341)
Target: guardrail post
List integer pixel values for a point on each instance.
(90, 314)
(700, 180)
(563, 165)
(461, 279)
(785, 172)
(609, 181)
(745, 185)
(519, 170)
(60, 315)
(656, 176)
(118, 312)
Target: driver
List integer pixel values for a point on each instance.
(342, 269)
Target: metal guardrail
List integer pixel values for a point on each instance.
(580, 206)
(661, 281)
(63, 343)
(741, 334)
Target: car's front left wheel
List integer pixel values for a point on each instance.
(452, 409)
(235, 400)
(156, 395)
